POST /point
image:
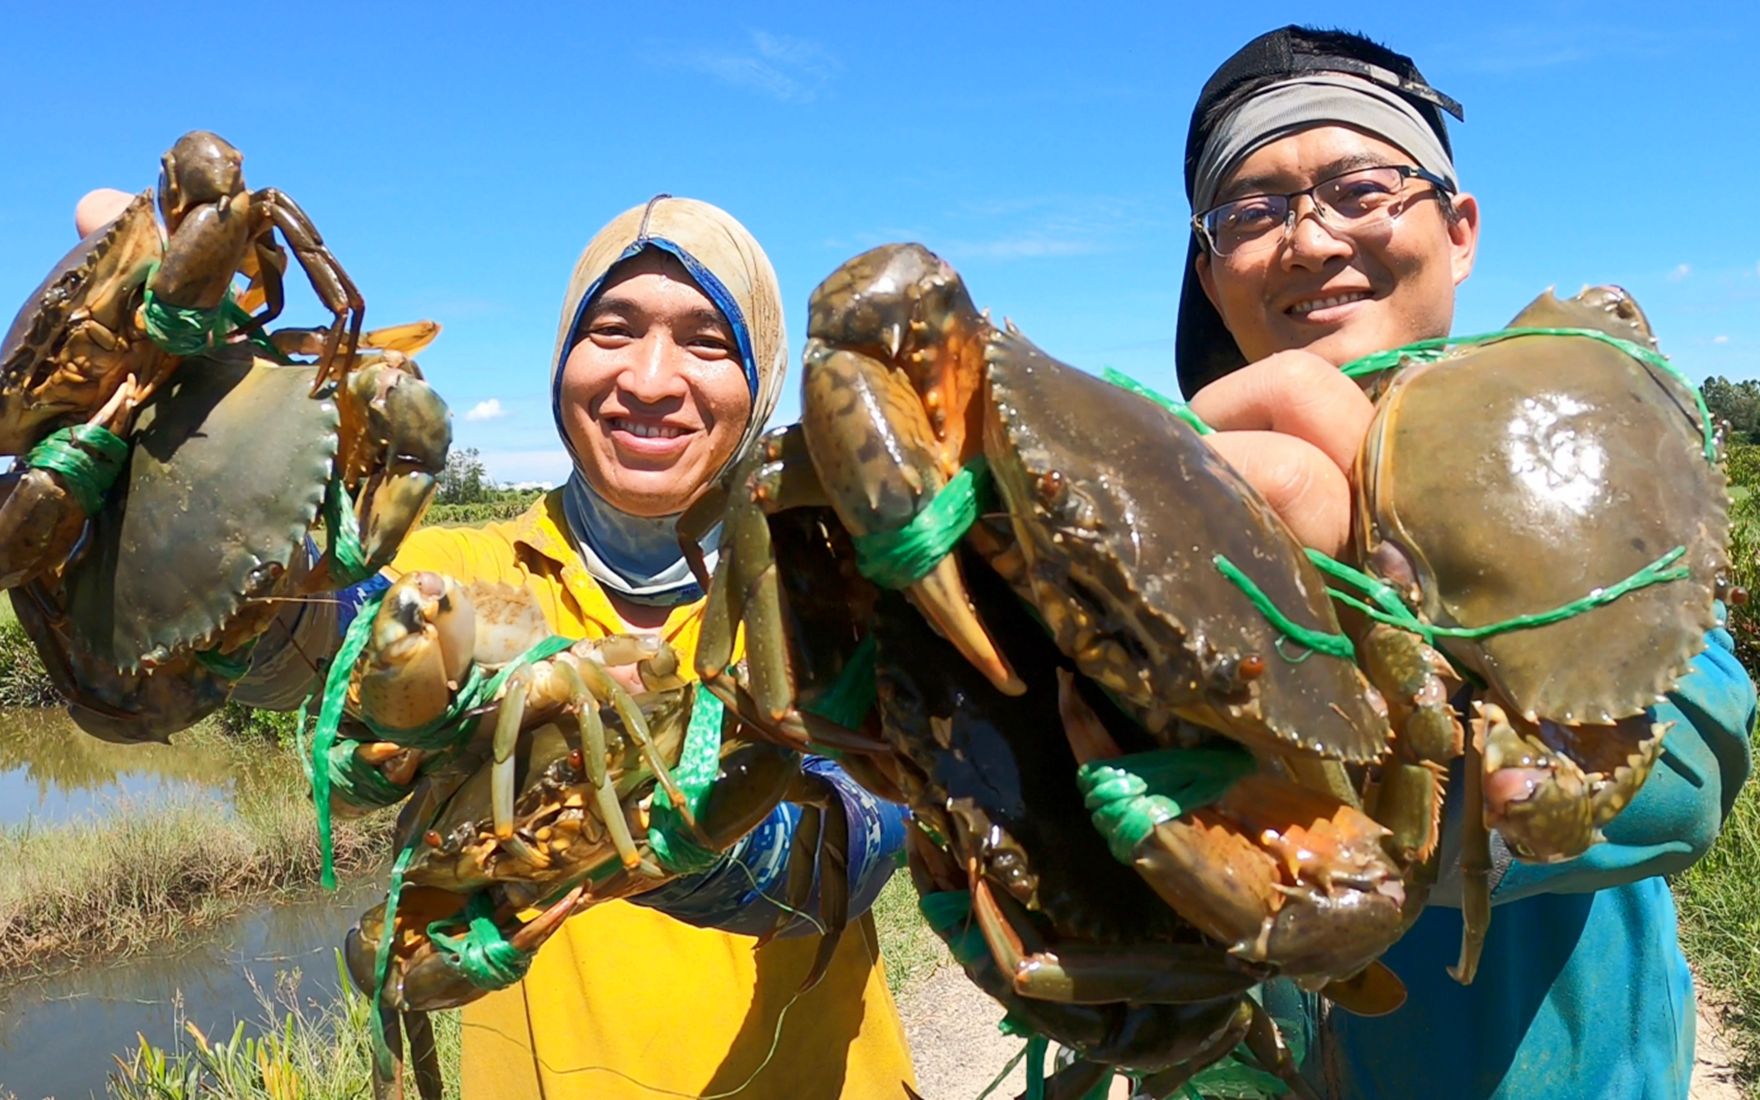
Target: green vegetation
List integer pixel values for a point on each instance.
(303, 1052)
(468, 497)
(1719, 897)
(320, 1053)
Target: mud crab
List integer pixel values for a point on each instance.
(224, 552)
(905, 384)
(1596, 465)
(905, 381)
(544, 800)
(112, 320)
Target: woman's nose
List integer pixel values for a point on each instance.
(653, 374)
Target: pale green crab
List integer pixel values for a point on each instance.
(1584, 479)
(232, 466)
(113, 319)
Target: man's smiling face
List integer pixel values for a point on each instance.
(1339, 295)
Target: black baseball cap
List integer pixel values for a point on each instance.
(1203, 350)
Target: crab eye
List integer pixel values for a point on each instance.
(1051, 487)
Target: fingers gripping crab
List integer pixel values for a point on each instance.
(1586, 473)
(111, 322)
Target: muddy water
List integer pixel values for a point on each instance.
(58, 1035)
(52, 773)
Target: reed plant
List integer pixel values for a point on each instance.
(154, 874)
(299, 1050)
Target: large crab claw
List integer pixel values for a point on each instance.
(423, 976)
(892, 371)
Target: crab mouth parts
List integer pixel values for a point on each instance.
(1309, 305)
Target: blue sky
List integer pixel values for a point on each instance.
(456, 163)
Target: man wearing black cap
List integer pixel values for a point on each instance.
(1328, 223)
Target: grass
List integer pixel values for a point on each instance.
(155, 875)
(321, 1052)
(912, 952)
(1719, 902)
(300, 1050)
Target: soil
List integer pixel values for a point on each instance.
(959, 1051)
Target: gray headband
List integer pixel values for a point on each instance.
(1315, 99)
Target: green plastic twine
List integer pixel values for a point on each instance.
(851, 696)
(227, 666)
(89, 457)
(482, 954)
(1427, 351)
(1393, 611)
(949, 915)
(348, 559)
(382, 1056)
(189, 330)
(330, 720)
(1333, 645)
(1128, 796)
(1178, 408)
(1037, 1048)
(899, 558)
(669, 837)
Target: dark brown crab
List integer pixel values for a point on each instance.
(904, 379)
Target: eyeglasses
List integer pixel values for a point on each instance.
(1347, 204)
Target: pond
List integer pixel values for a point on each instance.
(52, 773)
(58, 1035)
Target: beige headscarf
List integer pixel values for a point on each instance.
(638, 558)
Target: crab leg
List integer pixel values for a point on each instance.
(1475, 860)
(594, 750)
(1082, 974)
(507, 723)
(604, 686)
(745, 590)
(333, 286)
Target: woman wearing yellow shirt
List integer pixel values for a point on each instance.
(669, 358)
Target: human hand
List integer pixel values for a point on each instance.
(1291, 425)
(98, 207)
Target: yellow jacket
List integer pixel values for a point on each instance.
(625, 1002)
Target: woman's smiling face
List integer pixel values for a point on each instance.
(654, 396)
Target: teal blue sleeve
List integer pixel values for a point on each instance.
(1681, 807)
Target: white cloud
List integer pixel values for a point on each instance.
(1681, 271)
(486, 410)
(1720, 339)
(785, 68)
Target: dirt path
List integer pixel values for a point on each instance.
(1714, 1075)
(958, 1051)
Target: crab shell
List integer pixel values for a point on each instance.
(200, 528)
(1121, 510)
(1519, 476)
(47, 375)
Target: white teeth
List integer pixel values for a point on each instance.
(649, 431)
(1303, 308)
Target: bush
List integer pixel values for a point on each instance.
(504, 504)
(275, 726)
(23, 680)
